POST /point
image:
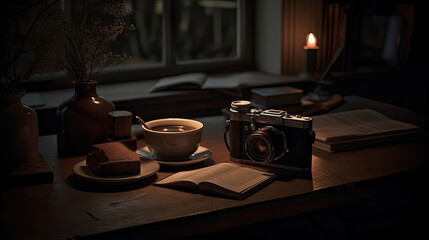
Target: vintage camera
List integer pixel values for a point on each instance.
(271, 137)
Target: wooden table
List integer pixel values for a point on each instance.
(71, 207)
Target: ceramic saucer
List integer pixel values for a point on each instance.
(147, 169)
(198, 156)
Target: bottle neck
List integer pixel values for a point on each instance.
(12, 98)
(88, 88)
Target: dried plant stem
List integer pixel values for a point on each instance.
(17, 42)
(99, 22)
(94, 56)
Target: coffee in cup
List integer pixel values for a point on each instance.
(172, 128)
(173, 138)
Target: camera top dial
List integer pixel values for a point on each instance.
(240, 105)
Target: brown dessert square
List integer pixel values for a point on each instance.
(112, 158)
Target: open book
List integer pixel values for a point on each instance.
(225, 179)
(184, 81)
(358, 129)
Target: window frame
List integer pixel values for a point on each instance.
(169, 65)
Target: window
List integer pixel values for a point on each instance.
(187, 35)
(173, 37)
(194, 30)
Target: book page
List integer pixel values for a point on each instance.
(356, 124)
(370, 141)
(224, 179)
(199, 175)
(184, 81)
(241, 179)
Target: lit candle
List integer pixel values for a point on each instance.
(311, 42)
(310, 60)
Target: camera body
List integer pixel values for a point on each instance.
(271, 137)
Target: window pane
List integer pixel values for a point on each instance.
(145, 43)
(206, 29)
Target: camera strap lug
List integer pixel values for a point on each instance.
(225, 133)
(252, 124)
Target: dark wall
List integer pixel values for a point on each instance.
(404, 83)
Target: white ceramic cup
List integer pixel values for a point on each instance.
(173, 145)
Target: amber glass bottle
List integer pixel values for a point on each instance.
(82, 120)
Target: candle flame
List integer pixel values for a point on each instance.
(311, 39)
(311, 42)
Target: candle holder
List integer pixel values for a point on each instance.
(309, 67)
(319, 94)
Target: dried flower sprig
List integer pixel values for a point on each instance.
(23, 35)
(97, 23)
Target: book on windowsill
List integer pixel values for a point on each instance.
(360, 128)
(224, 179)
(277, 96)
(229, 82)
(180, 82)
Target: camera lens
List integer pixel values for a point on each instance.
(265, 145)
(259, 148)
